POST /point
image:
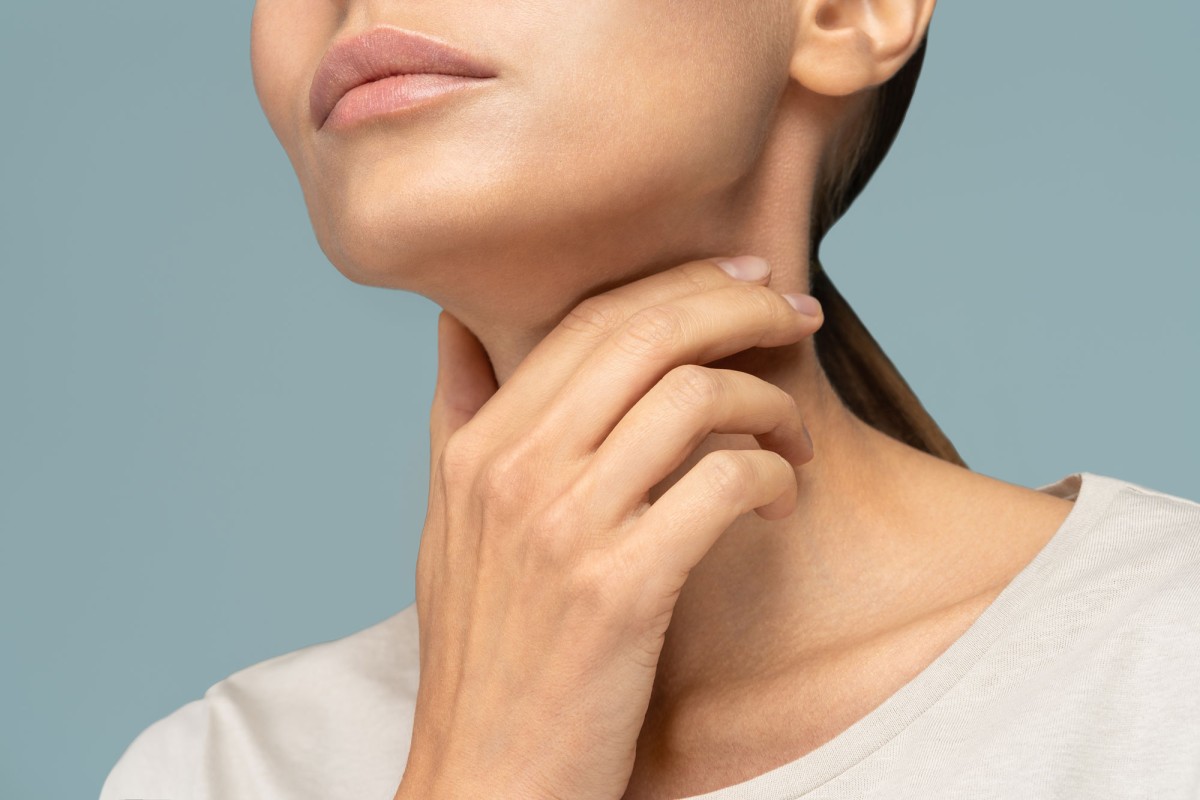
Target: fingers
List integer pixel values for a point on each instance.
(465, 382)
(559, 353)
(694, 329)
(673, 534)
(665, 426)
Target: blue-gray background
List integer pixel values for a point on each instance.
(213, 446)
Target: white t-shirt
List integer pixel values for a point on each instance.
(1080, 680)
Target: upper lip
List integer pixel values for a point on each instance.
(378, 53)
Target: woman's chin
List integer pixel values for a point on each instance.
(421, 255)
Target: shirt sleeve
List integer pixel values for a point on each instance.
(163, 761)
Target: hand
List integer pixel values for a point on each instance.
(545, 579)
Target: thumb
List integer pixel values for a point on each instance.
(465, 381)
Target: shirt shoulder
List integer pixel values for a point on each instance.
(162, 760)
(1118, 602)
(1134, 560)
(282, 727)
(1145, 538)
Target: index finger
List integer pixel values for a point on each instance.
(547, 367)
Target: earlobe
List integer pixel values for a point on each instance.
(845, 46)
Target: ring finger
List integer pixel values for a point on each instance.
(695, 329)
(665, 426)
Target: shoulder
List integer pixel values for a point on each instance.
(1150, 505)
(321, 698)
(1155, 537)
(1143, 531)
(1095, 670)
(1131, 574)
(161, 761)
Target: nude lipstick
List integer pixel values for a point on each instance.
(383, 70)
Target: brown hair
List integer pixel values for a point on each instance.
(864, 377)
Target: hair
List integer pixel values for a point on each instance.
(863, 376)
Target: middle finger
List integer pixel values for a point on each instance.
(695, 329)
(546, 368)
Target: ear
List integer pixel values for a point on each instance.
(844, 46)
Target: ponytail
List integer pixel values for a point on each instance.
(864, 377)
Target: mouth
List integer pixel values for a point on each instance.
(385, 68)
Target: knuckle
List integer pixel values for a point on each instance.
(595, 318)
(550, 524)
(550, 541)
(459, 454)
(562, 530)
(504, 475)
(588, 582)
(597, 585)
(652, 330)
(691, 387)
(728, 474)
(547, 543)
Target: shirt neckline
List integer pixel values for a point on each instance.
(1092, 494)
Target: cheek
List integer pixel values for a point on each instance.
(654, 103)
(608, 116)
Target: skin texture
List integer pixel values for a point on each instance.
(619, 140)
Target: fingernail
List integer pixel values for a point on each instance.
(745, 268)
(804, 303)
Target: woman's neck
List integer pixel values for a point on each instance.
(883, 534)
(780, 588)
(877, 524)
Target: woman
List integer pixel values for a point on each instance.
(619, 205)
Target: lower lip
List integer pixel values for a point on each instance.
(393, 93)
